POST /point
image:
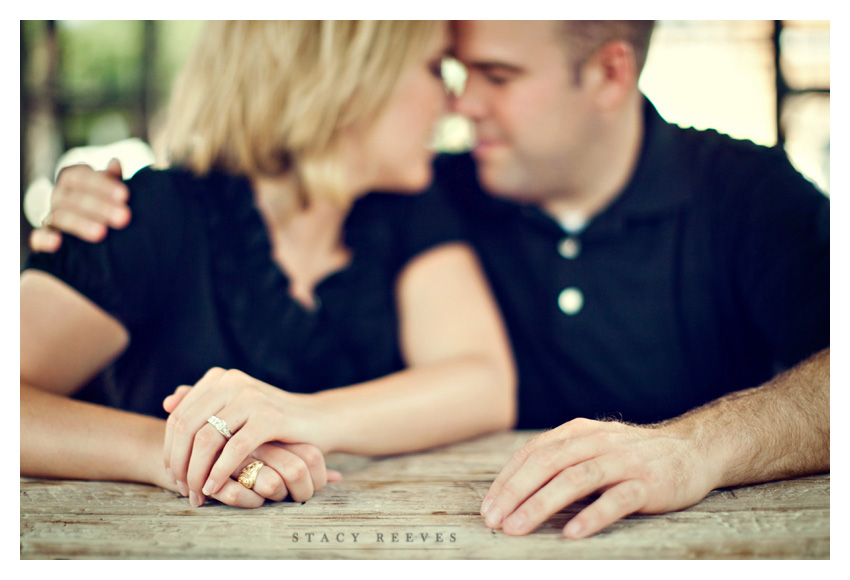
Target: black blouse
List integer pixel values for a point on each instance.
(193, 280)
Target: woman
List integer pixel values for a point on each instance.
(358, 323)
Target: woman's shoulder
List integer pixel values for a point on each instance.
(159, 188)
(176, 197)
(129, 272)
(156, 177)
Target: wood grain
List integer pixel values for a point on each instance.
(417, 506)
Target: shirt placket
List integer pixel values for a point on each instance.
(571, 298)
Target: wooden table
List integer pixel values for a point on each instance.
(417, 506)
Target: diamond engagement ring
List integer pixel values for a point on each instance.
(248, 477)
(220, 426)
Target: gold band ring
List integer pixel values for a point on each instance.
(248, 477)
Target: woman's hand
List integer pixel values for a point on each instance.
(203, 461)
(295, 470)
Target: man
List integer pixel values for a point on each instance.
(643, 271)
(653, 280)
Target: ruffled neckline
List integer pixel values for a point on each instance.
(281, 341)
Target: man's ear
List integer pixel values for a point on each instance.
(612, 74)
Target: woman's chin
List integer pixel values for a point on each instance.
(410, 184)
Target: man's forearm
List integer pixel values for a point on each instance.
(777, 430)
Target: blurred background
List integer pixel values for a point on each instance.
(94, 90)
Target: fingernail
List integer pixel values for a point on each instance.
(194, 499)
(494, 517)
(184, 490)
(117, 215)
(485, 507)
(209, 487)
(95, 230)
(573, 529)
(53, 241)
(515, 523)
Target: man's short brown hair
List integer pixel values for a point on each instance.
(584, 37)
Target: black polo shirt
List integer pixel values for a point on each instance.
(708, 274)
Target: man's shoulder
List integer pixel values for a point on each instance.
(743, 182)
(706, 154)
(721, 168)
(711, 147)
(718, 157)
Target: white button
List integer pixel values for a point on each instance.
(569, 248)
(573, 222)
(570, 301)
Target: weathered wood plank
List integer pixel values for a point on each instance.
(797, 535)
(422, 506)
(361, 498)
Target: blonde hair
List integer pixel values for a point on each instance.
(266, 97)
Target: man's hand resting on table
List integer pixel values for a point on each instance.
(636, 469)
(777, 430)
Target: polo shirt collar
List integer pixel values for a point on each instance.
(657, 183)
(657, 186)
